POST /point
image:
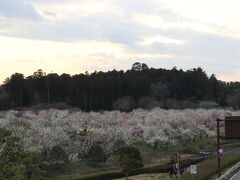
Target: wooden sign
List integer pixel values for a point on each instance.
(232, 127)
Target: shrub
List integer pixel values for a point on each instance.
(15, 163)
(129, 159)
(97, 154)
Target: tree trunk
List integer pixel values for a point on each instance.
(102, 102)
(90, 102)
(48, 95)
(155, 146)
(84, 101)
(69, 168)
(21, 97)
(69, 176)
(126, 175)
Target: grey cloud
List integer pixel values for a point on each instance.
(96, 27)
(216, 54)
(131, 6)
(18, 9)
(50, 14)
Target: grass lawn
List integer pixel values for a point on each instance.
(151, 156)
(208, 168)
(148, 177)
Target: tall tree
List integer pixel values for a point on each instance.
(129, 159)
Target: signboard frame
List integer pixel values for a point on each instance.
(232, 127)
(232, 132)
(193, 169)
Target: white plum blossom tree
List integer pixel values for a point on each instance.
(76, 131)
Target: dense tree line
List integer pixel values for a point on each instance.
(139, 87)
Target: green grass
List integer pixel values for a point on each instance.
(208, 168)
(151, 156)
(160, 168)
(156, 176)
(223, 171)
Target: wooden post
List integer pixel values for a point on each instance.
(218, 146)
(179, 165)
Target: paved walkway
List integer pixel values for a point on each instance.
(236, 176)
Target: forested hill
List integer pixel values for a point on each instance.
(139, 87)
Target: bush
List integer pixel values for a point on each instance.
(97, 154)
(58, 156)
(10, 155)
(15, 163)
(43, 106)
(129, 159)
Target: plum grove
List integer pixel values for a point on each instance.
(76, 132)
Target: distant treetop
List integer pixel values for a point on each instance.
(137, 66)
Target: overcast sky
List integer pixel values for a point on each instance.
(72, 36)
